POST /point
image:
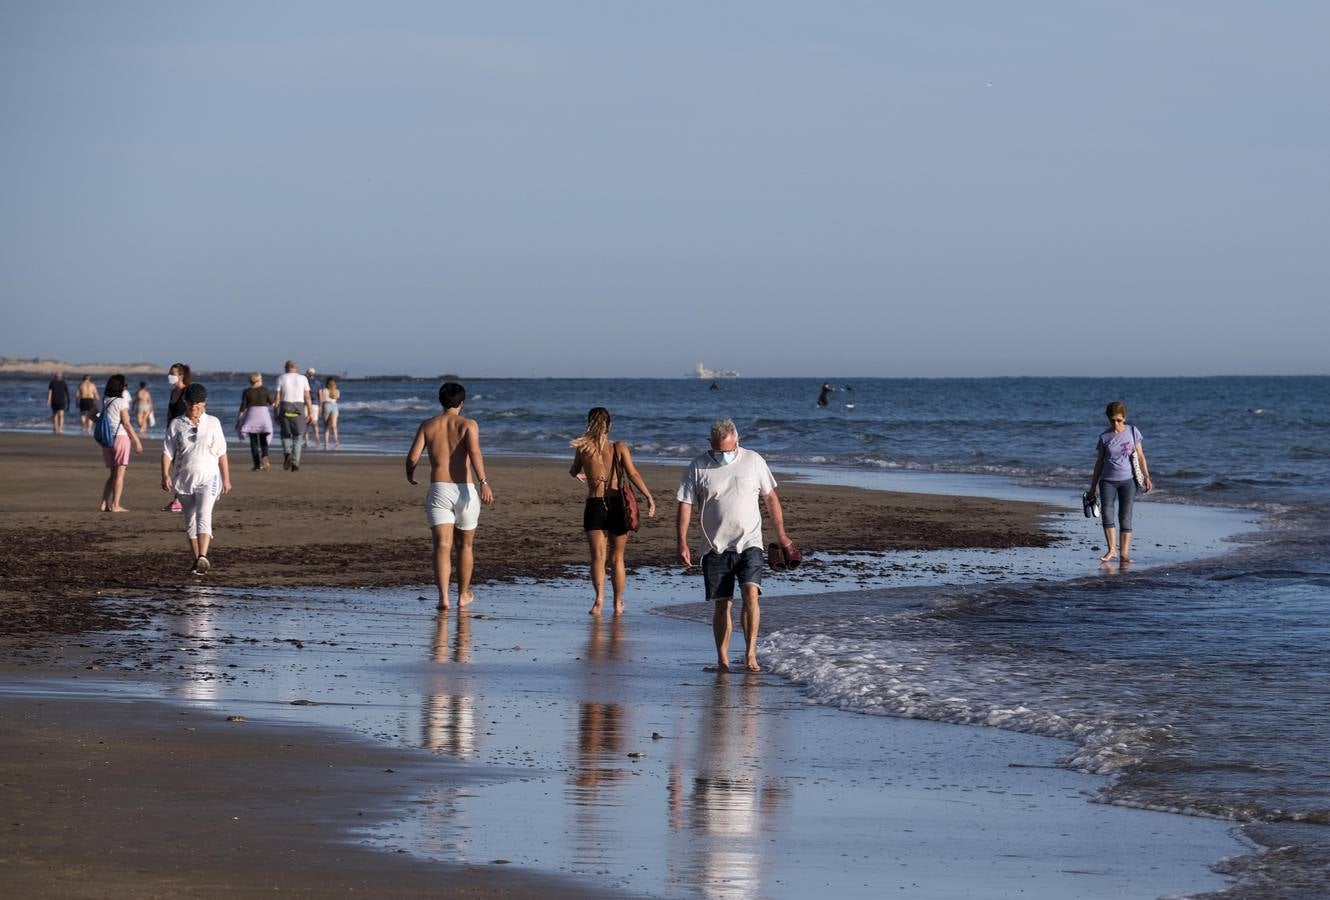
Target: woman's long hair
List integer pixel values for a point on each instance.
(330, 385)
(597, 430)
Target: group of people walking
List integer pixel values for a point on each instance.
(58, 397)
(195, 469)
(301, 405)
(730, 486)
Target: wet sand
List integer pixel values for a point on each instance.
(353, 520)
(125, 798)
(512, 731)
(588, 748)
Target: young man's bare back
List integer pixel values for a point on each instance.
(453, 502)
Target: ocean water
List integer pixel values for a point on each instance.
(1201, 688)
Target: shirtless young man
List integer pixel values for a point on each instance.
(87, 397)
(452, 503)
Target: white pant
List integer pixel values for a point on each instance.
(453, 504)
(197, 508)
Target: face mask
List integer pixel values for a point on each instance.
(725, 457)
(172, 379)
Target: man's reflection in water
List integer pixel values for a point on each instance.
(461, 651)
(450, 709)
(601, 752)
(731, 801)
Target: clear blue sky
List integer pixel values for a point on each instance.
(575, 188)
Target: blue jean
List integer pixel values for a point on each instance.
(258, 446)
(1115, 501)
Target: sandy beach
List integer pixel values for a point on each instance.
(357, 522)
(382, 748)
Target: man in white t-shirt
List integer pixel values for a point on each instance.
(295, 410)
(726, 482)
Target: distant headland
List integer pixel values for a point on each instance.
(15, 367)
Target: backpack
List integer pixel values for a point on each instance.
(104, 431)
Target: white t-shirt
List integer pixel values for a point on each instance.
(728, 499)
(114, 409)
(194, 452)
(292, 386)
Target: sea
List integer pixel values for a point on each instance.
(1199, 687)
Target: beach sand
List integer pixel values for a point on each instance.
(591, 755)
(353, 520)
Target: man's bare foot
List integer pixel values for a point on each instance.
(718, 667)
(1110, 555)
(751, 664)
(103, 507)
(119, 509)
(466, 599)
(596, 607)
(443, 603)
(618, 607)
(1126, 560)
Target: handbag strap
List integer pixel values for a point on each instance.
(620, 471)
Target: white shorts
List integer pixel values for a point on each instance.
(452, 504)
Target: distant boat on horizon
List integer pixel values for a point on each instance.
(703, 372)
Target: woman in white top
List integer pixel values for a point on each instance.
(116, 405)
(329, 394)
(194, 465)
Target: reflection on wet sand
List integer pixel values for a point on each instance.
(606, 644)
(450, 709)
(600, 753)
(600, 748)
(200, 624)
(461, 650)
(731, 801)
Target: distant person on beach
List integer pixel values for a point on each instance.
(603, 464)
(143, 407)
(726, 483)
(254, 420)
(825, 397)
(315, 392)
(452, 506)
(1114, 479)
(116, 457)
(329, 394)
(179, 377)
(295, 410)
(57, 400)
(87, 397)
(195, 468)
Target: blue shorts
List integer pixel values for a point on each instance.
(721, 570)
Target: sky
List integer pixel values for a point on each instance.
(627, 188)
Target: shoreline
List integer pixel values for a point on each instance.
(229, 645)
(353, 520)
(548, 707)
